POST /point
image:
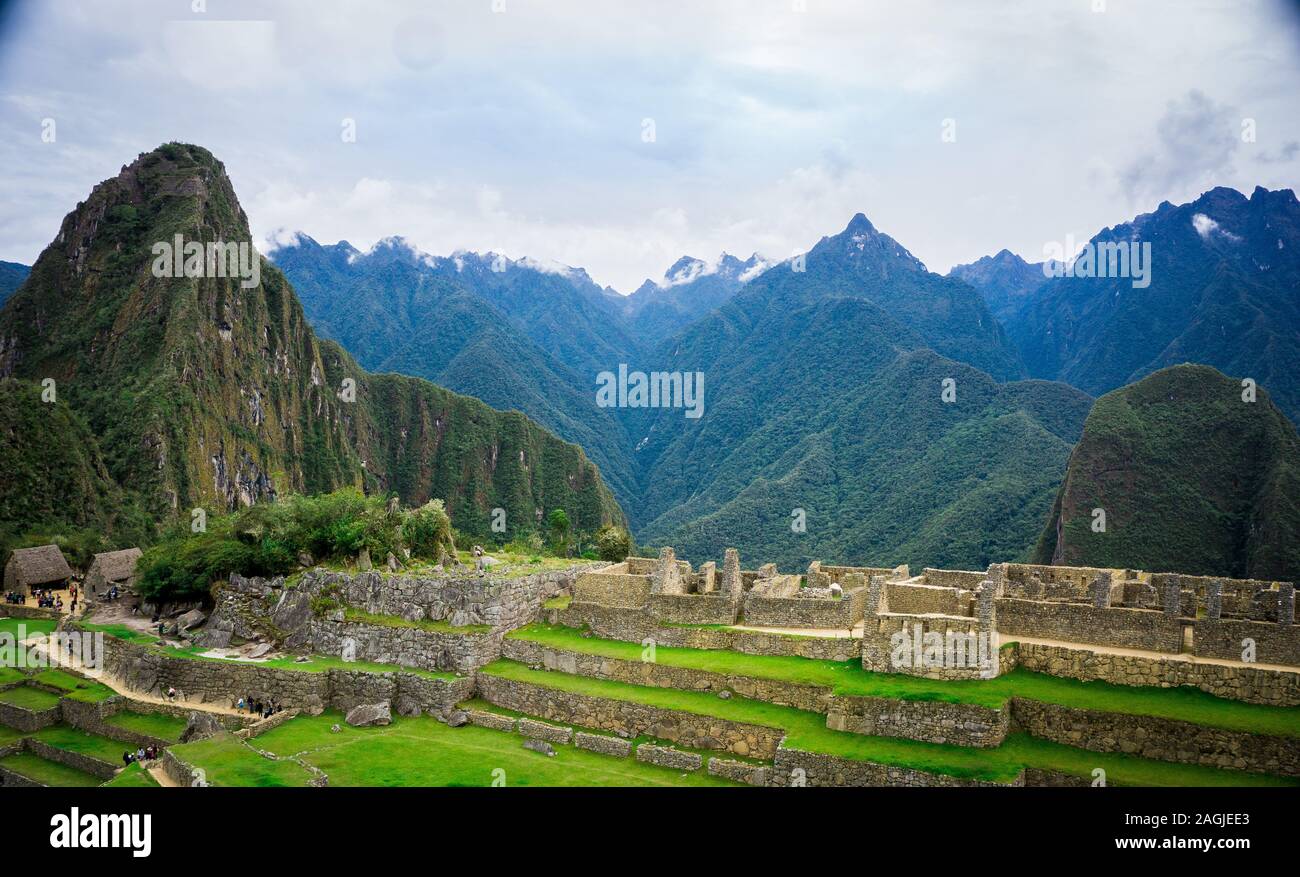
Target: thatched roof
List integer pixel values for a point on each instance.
(39, 566)
(115, 566)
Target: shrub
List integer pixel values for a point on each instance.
(613, 544)
(427, 531)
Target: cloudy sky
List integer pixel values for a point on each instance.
(619, 136)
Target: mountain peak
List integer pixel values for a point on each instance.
(859, 224)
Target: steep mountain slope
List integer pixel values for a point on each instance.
(12, 276)
(397, 309)
(1223, 292)
(202, 392)
(1004, 280)
(1191, 478)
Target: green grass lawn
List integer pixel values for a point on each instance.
(74, 686)
(807, 731)
(10, 675)
(49, 773)
(152, 724)
(76, 740)
(848, 678)
(29, 698)
(9, 735)
(226, 761)
(31, 626)
(423, 752)
(358, 615)
(133, 777)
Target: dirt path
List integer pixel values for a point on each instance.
(161, 776)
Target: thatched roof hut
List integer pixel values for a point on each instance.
(40, 567)
(112, 568)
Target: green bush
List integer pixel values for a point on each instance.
(427, 531)
(613, 544)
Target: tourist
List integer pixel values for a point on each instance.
(127, 758)
(171, 693)
(139, 754)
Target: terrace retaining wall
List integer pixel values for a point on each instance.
(630, 719)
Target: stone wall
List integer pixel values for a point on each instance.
(692, 608)
(457, 652)
(1224, 638)
(967, 647)
(612, 589)
(25, 720)
(966, 580)
(806, 697)
(147, 670)
(793, 767)
(85, 763)
(633, 626)
(1249, 684)
(9, 610)
(1144, 629)
(821, 613)
(666, 756)
(917, 599)
(738, 771)
(1160, 739)
(604, 744)
(956, 724)
(630, 719)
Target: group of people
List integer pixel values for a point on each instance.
(143, 753)
(13, 597)
(265, 709)
(46, 598)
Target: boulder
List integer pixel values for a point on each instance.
(367, 714)
(407, 706)
(191, 619)
(201, 726)
(540, 746)
(363, 560)
(260, 651)
(457, 718)
(293, 611)
(393, 566)
(211, 638)
(305, 559)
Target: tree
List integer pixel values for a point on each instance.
(559, 525)
(613, 543)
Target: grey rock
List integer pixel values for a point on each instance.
(366, 714)
(540, 746)
(260, 651)
(191, 619)
(363, 560)
(409, 707)
(457, 718)
(200, 727)
(724, 694)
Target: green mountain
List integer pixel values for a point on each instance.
(1223, 279)
(12, 276)
(213, 391)
(1191, 479)
(1004, 280)
(790, 359)
(400, 310)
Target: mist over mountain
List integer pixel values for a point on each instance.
(211, 390)
(689, 289)
(1223, 278)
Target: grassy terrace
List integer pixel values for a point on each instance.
(152, 724)
(74, 686)
(352, 614)
(30, 626)
(29, 698)
(848, 678)
(226, 761)
(75, 740)
(49, 773)
(807, 731)
(315, 664)
(423, 752)
(133, 777)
